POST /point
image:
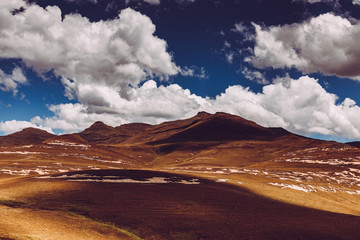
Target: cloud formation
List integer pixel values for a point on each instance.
(326, 44)
(155, 2)
(301, 106)
(355, 2)
(114, 53)
(149, 103)
(254, 76)
(10, 82)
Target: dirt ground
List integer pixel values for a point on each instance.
(56, 208)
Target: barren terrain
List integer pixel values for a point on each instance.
(208, 177)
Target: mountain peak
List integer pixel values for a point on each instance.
(98, 123)
(98, 126)
(202, 114)
(31, 131)
(26, 136)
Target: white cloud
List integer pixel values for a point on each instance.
(80, 1)
(229, 57)
(335, 2)
(301, 106)
(255, 76)
(11, 82)
(155, 2)
(193, 71)
(228, 53)
(239, 27)
(149, 103)
(326, 44)
(116, 53)
(74, 117)
(99, 60)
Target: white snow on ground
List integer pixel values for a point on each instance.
(350, 178)
(20, 152)
(311, 188)
(332, 162)
(41, 170)
(354, 192)
(116, 179)
(108, 161)
(222, 180)
(354, 170)
(291, 186)
(68, 144)
(25, 172)
(25, 146)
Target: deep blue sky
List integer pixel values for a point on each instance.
(200, 35)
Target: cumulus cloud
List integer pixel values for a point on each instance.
(155, 2)
(255, 76)
(115, 53)
(193, 71)
(326, 44)
(10, 82)
(227, 52)
(81, 1)
(335, 2)
(301, 106)
(149, 103)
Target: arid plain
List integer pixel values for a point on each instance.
(213, 176)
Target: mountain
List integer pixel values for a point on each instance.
(220, 158)
(205, 127)
(26, 136)
(100, 133)
(354, 144)
(132, 129)
(204, 140)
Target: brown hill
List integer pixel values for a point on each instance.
(100, 133)
(224, 127)
(25, 137)
(354, 144)
(205, 127)
(132, 129)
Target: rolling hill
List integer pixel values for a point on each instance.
(25, 136)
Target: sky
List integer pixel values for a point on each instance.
(295, 64)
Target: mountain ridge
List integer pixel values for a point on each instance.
(25, 136)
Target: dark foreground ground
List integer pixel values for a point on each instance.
(200, 209)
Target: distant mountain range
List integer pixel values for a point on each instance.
(204, 127)
(205, 139)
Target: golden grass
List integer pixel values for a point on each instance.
(32, 238)
(109, 225)
(339, 202)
